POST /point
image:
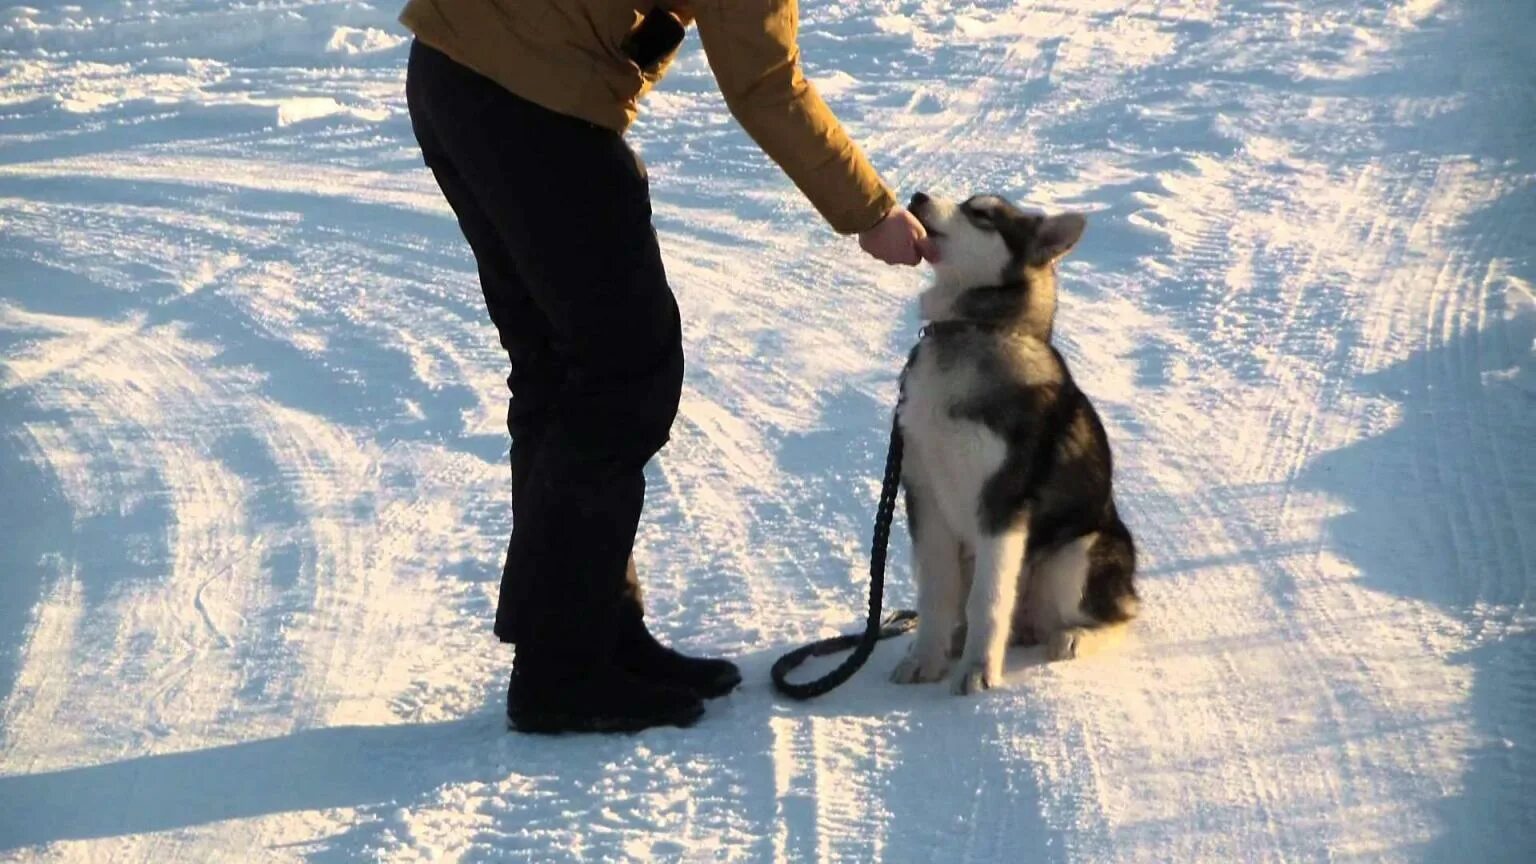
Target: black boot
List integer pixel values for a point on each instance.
(638, 653)
(605, 699)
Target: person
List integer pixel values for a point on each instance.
(520, 108)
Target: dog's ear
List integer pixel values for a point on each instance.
(1055, 236)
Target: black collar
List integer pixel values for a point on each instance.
(953, 326)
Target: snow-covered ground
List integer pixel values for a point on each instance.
(253, 492)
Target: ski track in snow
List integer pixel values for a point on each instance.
(255, 493)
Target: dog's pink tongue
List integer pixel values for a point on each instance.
(928, 249)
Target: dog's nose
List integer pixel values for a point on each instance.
(918, 200)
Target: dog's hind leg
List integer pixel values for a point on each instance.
(937, 555)
(1023, 633)
(989, 609)
(1083, 641)
(1078, 597)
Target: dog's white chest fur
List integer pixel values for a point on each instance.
(953, 457)
(950, 457)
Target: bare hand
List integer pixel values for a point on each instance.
(897, 239)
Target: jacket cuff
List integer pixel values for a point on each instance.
(866, 217)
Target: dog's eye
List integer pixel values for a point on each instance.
(983, 219)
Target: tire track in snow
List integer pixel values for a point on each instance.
(176, 649)
(1365, 676)
(183, 399)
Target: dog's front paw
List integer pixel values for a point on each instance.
(917, 669)
(975, 677)
(1063, 644)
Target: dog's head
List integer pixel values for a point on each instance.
(992, 253)
(985, 240)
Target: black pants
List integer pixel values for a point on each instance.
(558, 213)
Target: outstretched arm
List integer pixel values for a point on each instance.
(752, 49)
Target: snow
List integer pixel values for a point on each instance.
(255, 492)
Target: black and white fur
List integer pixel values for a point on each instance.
(1007, 470)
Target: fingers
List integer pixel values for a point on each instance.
(898, 239)
(908, 253)
(928, 249)
(904, 253)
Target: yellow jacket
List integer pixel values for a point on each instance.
(566, 55)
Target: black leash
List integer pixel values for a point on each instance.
(874, 629)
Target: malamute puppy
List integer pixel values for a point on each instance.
(1007, 469)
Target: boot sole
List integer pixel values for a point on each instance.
(556, 724)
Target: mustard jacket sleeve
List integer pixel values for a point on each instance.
(752, 49)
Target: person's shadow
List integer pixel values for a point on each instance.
(375, 769)
(339, 766)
